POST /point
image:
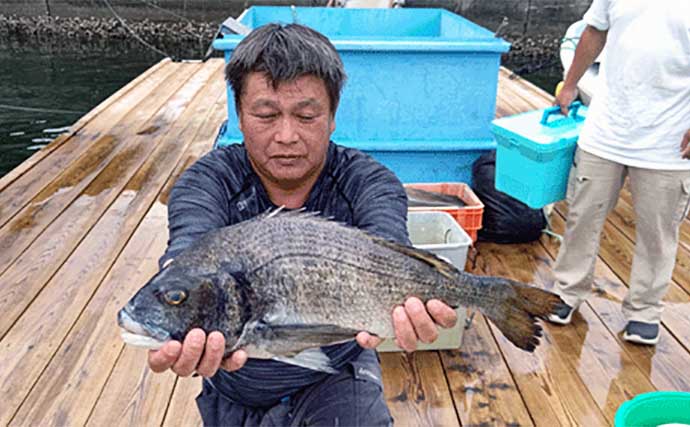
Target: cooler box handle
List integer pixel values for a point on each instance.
(572, 112)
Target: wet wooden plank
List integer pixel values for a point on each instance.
(52, 248)
(68, 389)
(664, 364)
(90, 175)
(71, 288)
(481, 384)
(120, 387)
(611, 376)
(551, 387)
(183, 411)
(416, 390)
(63, 153)
(87, 355)
(617, 251)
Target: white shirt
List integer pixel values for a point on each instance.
(641, 108)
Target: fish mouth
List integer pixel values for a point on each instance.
(138, 335)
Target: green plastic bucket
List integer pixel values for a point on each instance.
(654, 409)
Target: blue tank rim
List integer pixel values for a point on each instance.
(482, 41)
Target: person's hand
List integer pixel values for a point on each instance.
(565, 97)
(414, 322)
(198, 353)
(685, 145)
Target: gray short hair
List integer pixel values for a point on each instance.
(284, 53)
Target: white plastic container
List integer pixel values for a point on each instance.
(439, 233)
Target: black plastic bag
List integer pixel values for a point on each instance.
(506, 219)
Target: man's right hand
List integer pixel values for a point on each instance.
(566, 97)
(197, 353)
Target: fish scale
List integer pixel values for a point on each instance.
(282, 285)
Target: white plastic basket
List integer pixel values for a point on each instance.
(439, 233)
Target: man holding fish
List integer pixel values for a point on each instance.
(287, 82)
(285, 249)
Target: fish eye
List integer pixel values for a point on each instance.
(175, 297)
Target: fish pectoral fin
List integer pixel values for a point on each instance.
(311, 358)
(311, 335)
(445, 268)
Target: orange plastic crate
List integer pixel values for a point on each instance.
(469, 217)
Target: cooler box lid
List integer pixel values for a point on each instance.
(542, 131)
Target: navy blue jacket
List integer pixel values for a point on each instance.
(222, 189)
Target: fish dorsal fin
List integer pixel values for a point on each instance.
(445, 268)
(274, 212)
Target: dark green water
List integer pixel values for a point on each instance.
(70, 78)
(77, 79)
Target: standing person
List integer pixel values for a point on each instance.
(638, 126)
(287, 82)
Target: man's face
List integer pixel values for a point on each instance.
(286, 131)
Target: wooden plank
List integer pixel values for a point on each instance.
(67, 158)
(134, 395)
(41, 154)
(481, 384)
(68, 389)
(611, 376)
(87, 355)
(550, 386)
(617, 251)
(512, 104)
(53, 247)
(522, 98)
(183, 411)
(664, 364)
(527, 89)
(416, 390)
(105, 154)
(73, 285)
(116, 385)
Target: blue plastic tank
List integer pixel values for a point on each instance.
(421, 88)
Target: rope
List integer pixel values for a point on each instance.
(571, 40)
(136, 36)
(552, 234)
(40, 110)
(170, 12)
(162, 9)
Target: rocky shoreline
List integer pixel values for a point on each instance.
(182, 38)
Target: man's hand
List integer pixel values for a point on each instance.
(566, 97)
(414, 322)
(685, 145)
(198, 353)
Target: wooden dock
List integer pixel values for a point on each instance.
(83, 222)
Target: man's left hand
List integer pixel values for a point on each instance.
(685, 145)
(414, 322)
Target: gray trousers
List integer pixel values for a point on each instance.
(661, 200)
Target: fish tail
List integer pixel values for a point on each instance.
(516, 309)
